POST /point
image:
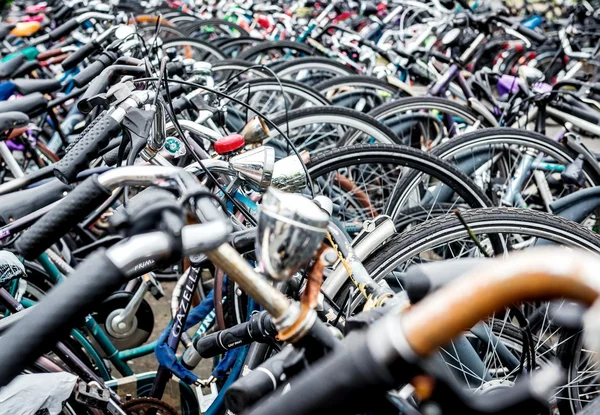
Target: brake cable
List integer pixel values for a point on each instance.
(270, 123)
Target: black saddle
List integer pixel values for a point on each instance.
(11, 120)
(10, 66)
(16, 205)
(32, 104)
(29, 86)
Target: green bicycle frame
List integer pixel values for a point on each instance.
(118, 358)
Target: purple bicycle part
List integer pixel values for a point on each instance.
(507, 84)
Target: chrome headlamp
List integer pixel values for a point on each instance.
(290, 230)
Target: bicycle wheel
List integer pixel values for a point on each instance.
(269, 97)
(362, 93)
(492, 158)
(446, 238)
(317, 129)
(266, 52)
(312, 70)
(581, 387)
(360, 179)
(235, 70)
(424, 121)
(193, 49)
(210, 29)
(234, 46)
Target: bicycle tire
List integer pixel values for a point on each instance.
(276, 45)
(197, 44)
(362, 123)
(414, 159)
(500, 136)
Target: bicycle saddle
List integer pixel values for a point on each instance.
(11, 120)
(16, 205)
(5, 29)
(10, 66)
(29, 86)
(26, 68)
(32, 104)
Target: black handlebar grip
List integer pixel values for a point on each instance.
(175, 68)
(10, 66)
(259, 327)
(87, 147)
(61, 12)
(79, 55)
(63, 217)
(254, 385)
(62, 309)
(338, 383)
(111, 157)
(422, 279)
(531, 34)
(94, 69)
(222, 341)
(181, 104)
(88, 74)
(64, 29)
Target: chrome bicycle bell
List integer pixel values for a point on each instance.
(290, 230)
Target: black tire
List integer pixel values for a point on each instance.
(363, 93)
(193, 28)
(204, 50)
(362, 81)
(390, 113)
(317, 69)
(234, 46)
(363, 127)
(331, 160)
(231, 70)
(501, 136)
(304, 93)
(270, 97)
(480, 221)
(298, 49)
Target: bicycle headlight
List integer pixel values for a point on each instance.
(290, 230)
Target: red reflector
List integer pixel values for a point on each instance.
(229, 143)
(263, 21)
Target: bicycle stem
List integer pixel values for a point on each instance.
(287, 314)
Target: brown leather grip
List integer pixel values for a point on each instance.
(538, 274)
(49, 54)
(58, 59)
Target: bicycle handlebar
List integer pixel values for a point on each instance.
(74, 22)
(51, 319)
(101, 82)
(260, 326)
(89, 284)
(386, 355)
(82, 201)
(87, 147)
(523, 30)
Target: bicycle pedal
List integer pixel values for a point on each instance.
(92, 395)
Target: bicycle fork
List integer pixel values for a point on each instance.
(512, 195)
